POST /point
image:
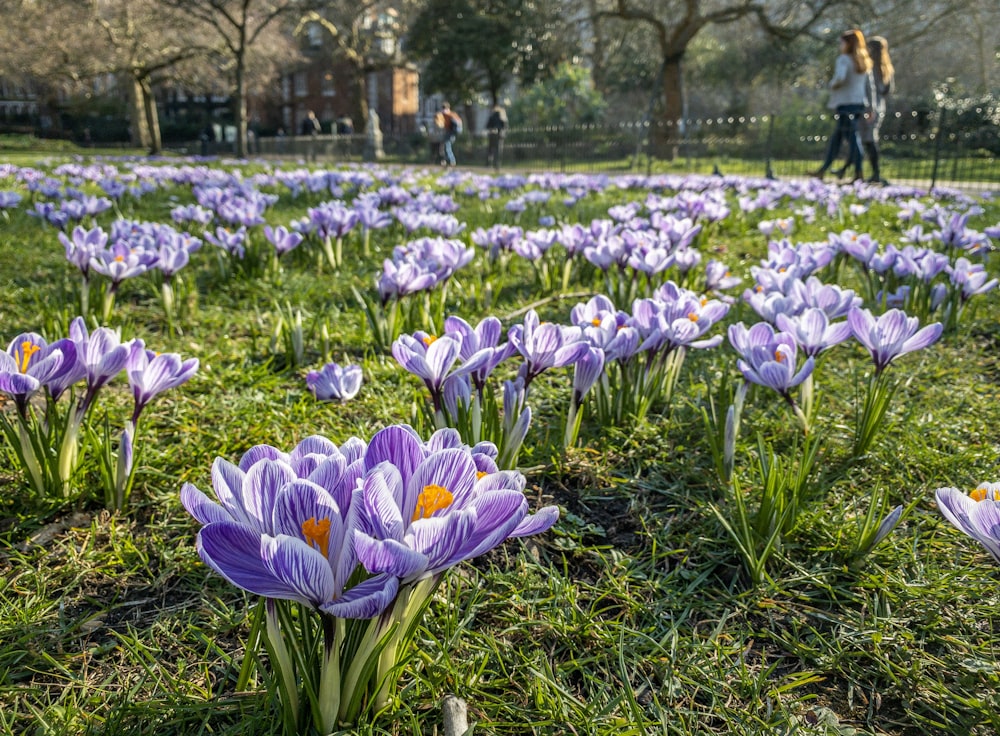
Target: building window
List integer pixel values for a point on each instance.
(328, 89)
(301, 84)
(315, 35)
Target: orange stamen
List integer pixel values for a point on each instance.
(429, 339)
(982, 494)
(27, 350)
(317, 533)
(432, 499)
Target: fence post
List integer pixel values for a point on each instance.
(937, 145)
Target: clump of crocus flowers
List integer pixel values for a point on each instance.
(47, 434)
(346, 545)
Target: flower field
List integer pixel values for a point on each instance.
(301, 451)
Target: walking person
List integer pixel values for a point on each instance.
(496, 128)
(850, 90)
(452, 127)
(883, 85)
(435, 137)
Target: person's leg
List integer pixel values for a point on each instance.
(871, 148)
(854, 138)
(449, 152)
(835, 140)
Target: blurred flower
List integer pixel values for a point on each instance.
(891, 334)
(977, 514)
(335, 383)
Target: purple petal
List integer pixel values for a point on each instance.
(301, 567)
(366, 599)
(452, 469)
(263, 482)
(381, 494)
(388, 556)
(302, 502)
(536, 523)
(446, 540)
(201, 507)
(234, 551)
(399, 445)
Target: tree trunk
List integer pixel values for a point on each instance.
(240, 104)
(138, 125)
(152, 118)
(361, 108)
(669, 132)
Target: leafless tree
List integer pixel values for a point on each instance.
(239, 27)
(364, 34)
(676, 23)
(144, 41)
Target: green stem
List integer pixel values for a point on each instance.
(329, 678)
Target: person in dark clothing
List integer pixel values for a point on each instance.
(496, 128)
(311, 127)
(207, 138)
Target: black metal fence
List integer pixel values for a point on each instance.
(932, 147)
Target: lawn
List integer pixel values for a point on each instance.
(666, 599)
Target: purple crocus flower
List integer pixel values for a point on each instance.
(29, 363)
(679, 319)
(9, 199)
(497, 239)
(718, 277)
(431, 359)
(371, 217)
(484, 337)
(891, 334)
(859, 246)
(280, 533)
(545, 345)
(83, 246)
(282, 239)
(428, 511)
(971, 278)
(122, 261)
(403, 277)
(773, 364)
(150, 374)
(234, 243)
(191, 213)
(586, 371)
(332, 219)
(334, 382)
(832, 299)
(977, 513)
(743, 339)
(813, 331)
(102, 352)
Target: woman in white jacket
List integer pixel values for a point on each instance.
(850, 90)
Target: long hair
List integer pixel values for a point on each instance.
(880, 57)
(857, 50)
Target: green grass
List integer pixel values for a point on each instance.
(633, 616)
